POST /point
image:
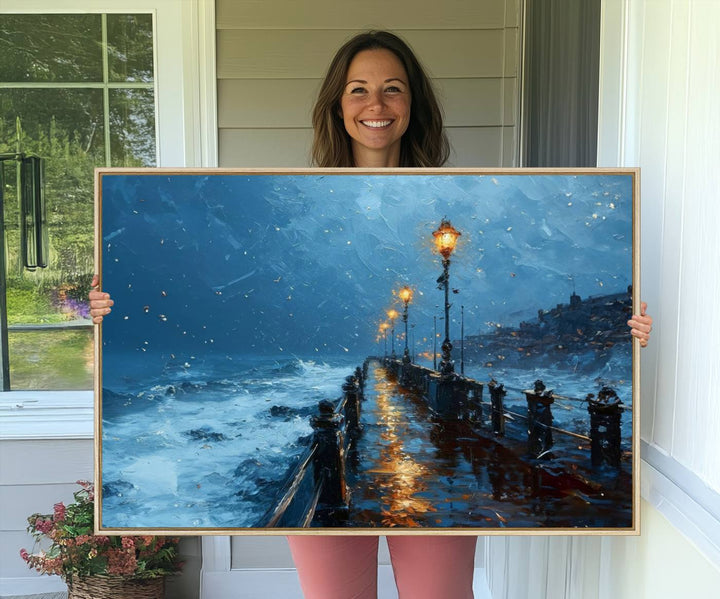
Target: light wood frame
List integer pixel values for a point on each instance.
(635, 519)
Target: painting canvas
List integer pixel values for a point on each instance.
(367, 351)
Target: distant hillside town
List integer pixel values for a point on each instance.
(583, 331)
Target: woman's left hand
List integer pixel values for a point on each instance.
(641, 325)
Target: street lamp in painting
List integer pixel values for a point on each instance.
(384, 326)
(445, 238)
(406, 295)
(392, 314)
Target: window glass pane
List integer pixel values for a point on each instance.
(37, 48)
(53, 122)
(132, 127)
(66, 127)
(53, 359)
(130, 48)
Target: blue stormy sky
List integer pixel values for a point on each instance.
(307, 264)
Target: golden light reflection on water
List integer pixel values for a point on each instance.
(400, 479)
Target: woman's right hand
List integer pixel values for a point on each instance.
(100, 302)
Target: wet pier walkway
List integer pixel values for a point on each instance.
(412, 469)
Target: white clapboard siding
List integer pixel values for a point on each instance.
(290, 147)
(306, 53)
(271, 58)
(264, 147)
(475, 146)
(339, 14)
(287, 103)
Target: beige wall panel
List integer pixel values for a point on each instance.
(471, 102)
(279, 103)
(283, 54)
(512, 52)
(470, 146)
(375, 14)
(510, 110)
(475, 146)
(266, 102)
(513, 13)
(265, 147)
(510, 146)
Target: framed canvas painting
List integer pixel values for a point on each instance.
(364, 351)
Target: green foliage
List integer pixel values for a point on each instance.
(27, 303)
(66, 127)
(52, 359)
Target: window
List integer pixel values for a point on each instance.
(78, 90)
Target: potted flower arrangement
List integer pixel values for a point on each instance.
(98, 566)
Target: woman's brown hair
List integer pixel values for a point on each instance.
(423, 144)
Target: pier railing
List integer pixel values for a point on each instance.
(460, 397)
(316, 491)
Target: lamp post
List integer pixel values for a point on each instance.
(435, 342)
(392, 314)
(445, 240)
(384, 326)
(406, 294)
(462, 340)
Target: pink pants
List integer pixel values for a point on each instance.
(345, 567)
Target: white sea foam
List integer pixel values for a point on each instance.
(210, 453)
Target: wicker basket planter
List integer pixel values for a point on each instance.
(116, 587)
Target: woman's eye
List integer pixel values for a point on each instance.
(393, 89)
(357, 90)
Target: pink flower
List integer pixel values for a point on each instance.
(44, 526)
(128, 543)
(121, 562)
(59, 512)
(25, 555)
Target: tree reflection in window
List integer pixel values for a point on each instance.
(78, 90)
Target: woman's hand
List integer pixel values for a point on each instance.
(641, 325)
(100, 302)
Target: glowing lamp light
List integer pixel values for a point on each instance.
(406, 294)
(392, 314)
(446, 238)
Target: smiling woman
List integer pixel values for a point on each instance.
(375, 107)
(363, 114)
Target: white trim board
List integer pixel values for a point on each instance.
(680, 495)
(46, 415)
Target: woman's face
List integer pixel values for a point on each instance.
(375, 107)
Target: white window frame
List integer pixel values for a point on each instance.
(186, 130)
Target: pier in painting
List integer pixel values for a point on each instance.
(406, 447)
